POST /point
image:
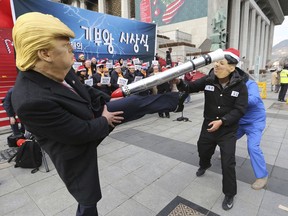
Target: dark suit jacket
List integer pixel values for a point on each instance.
(68, 127)
(7, 104)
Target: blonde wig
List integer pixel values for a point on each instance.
(36, 31)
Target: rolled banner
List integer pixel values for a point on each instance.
(170, 74)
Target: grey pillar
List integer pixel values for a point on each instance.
(74, 3)
(235, 24)
(261, 48)
(252, 27)
(270, 43)
(244, 28)
(266, 44)
(101, 6)
(257, 37)
(82, 4)
(125, 9)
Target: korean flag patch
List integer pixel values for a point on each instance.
(234, 94)
(209, 88)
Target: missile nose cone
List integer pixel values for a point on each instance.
(117, 93)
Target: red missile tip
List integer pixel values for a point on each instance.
(117, 93)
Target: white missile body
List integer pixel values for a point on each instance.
(170, 74)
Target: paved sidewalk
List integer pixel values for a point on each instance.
(147, 167)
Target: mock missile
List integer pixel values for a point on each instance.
(168, 75)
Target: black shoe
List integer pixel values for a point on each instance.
(167, 115)
(227, 202)
(282, 101)
(201, 171)
(161, 115)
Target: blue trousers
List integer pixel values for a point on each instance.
(254, 134)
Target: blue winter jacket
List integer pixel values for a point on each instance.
(255, 111)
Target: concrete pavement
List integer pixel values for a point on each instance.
(147, 167)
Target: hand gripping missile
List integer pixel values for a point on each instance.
(170, 74)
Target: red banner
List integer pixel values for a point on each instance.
(145, 11)
(6, 45)
(5, 14)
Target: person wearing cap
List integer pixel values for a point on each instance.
(130, 74)
(144, 70)
(101, 72)
(226, 99)
(116, 73)
(68, 119)
(82, 71)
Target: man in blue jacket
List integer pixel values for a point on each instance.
(252, 124)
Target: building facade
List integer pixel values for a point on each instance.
(247, 25)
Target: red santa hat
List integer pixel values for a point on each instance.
(117, 65)
(144, 66)
(233, 53)
(101, 63)
(163, 68)
(131, 66)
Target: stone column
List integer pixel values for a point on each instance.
(252, 27)
(125, 9)
(82, 4)
(244, 29)
(101, 6)
(235, 24)
(270, 43)
(266, 44)
(74, 3)
(257, 38)
(261, 48)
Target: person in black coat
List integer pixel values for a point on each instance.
(68, 119)
(226, 100)
(168, 57)
(130, 74)
(116, 73)
(102, 71)
(7, 104)
(161, 89)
